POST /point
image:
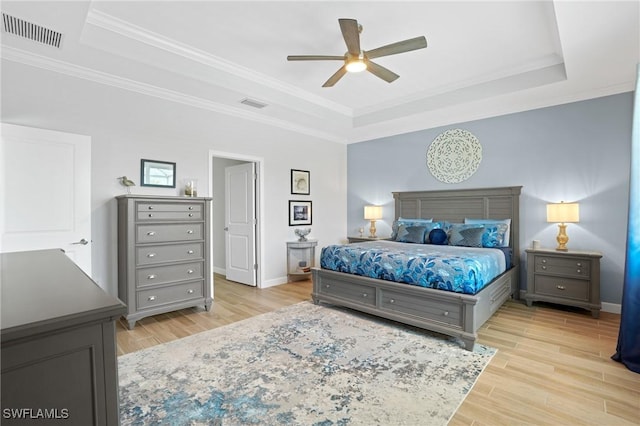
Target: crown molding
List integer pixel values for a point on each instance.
(72, 70)
(142, 35)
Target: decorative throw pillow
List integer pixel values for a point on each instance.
(437, 236)
(411, 234)
(494, 235)
(407, 222)
(507, 234)
(466, 235)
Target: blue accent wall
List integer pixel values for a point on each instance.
(577, 152)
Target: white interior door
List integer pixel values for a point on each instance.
(46, 192)
(240, 220)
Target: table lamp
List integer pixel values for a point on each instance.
(563, 213)
(372, 213)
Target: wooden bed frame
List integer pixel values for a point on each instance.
(453, 314)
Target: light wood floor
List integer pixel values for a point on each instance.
(553, 365)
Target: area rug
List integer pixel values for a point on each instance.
(300, 365)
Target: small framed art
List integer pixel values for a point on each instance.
(300, 182)
(299, 212)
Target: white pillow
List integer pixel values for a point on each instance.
(507, 235)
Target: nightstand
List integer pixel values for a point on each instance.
(301, 257)
(363, 239)
(564, 277)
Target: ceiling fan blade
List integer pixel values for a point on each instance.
(351, 35)
(314, 58)
(335, 77)
(399, 47)
(380, 71)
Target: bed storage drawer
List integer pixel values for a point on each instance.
(354, 292)
(396, 301)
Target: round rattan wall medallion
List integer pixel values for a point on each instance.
(454, 156)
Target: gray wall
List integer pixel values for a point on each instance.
(574, 152)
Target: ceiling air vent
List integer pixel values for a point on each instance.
(31, 31)
(253, 103)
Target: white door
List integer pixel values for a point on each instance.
(240, 220)
(45, 182)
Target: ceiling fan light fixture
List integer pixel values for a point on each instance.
(356, 65)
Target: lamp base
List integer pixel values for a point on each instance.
(372, 229)
(562, 237)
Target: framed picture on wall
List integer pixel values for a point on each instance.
(299, 212)
(300, 182)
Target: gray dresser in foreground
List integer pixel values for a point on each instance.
(164, 259)
(58, 343)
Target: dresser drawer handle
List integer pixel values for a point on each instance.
(544, 260)
(151, 233)
(190, 231)
(150, 214)
(189, 271)
(544, 267)
(445, 313)
(578, 270)
(189, 251)
(561, 287)
(151, 255)
(190, 291)
(151, 277)
(392, 301)
(151, 298)
(190, 207)
(190, 214)
(327, 286)
(364, 294)
(150, 207)
(578, 264)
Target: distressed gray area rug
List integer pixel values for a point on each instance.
(300, 365)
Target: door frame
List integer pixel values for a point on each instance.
(259, 206)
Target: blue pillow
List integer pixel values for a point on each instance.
(507, 222)
(407, 222)
(466, 235)
(438, 236)
(494, 235)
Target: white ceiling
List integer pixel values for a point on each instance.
(483, 58)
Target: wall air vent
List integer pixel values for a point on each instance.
(253, 103)
(31, 31)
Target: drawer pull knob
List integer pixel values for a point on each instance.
(392, 301)
(190, 214)
(151, 277)
(190, 207)
(152, 298)
(150, 214)
(189, 251)
(189, 271)
(544, 267)
(150, 207)
(190, 231)
(151, 255)
(151, 233)
(578, 270)
(190, 291)
(364, 294)
(561, 287)
(327, 286)
(446, 313)
(544, 260)
(578, 264)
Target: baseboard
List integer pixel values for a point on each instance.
(221, 271)
(612, 308)
(273, 282)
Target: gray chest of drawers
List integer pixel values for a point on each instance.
(163, 254)
(567, 278)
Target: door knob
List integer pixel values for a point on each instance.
(82, 241)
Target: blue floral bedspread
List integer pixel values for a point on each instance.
(459, 269)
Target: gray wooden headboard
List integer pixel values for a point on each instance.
(457, 204)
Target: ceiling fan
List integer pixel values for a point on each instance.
(356, 59)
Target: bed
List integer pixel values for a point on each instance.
(448, 312)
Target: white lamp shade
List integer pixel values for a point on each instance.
(372, 212)
(563, 212)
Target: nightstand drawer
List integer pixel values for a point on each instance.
(562, 287)
(573, 267)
